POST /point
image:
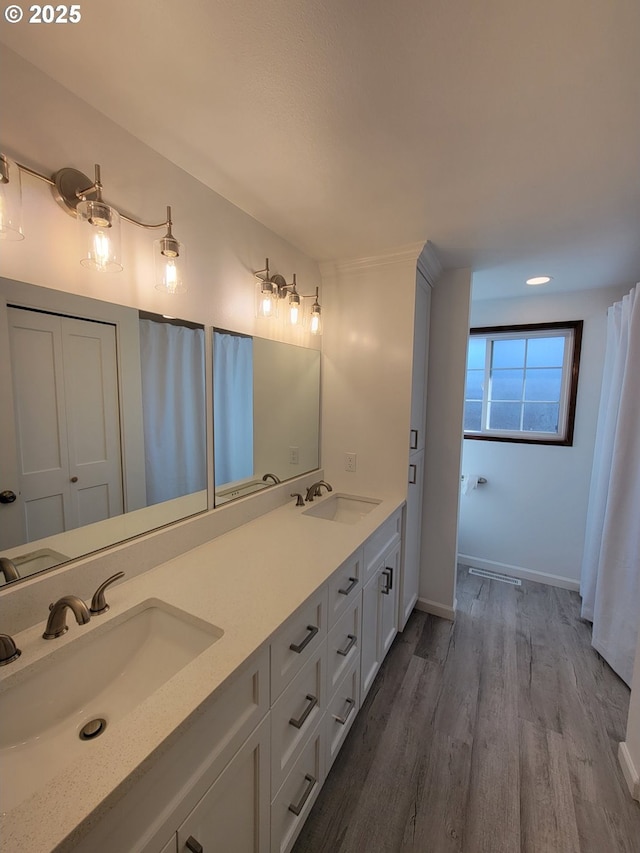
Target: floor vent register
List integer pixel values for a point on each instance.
(494, 576)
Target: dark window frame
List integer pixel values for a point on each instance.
(526, 329)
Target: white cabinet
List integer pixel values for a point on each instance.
(234, 813)
(170, 846)
(341, 712)
(413, 517)
(379, 616)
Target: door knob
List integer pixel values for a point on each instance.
(7, 497)
(74, 479)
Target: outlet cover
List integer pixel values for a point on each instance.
(350, 461)
(294, 456)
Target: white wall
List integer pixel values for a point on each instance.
(529, 519)
(449, 329)
(47, 128)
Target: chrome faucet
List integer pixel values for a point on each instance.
(315, 490)
(98, 602)
(8, 569)
(273, 477)
(57, 621)
(8, 649)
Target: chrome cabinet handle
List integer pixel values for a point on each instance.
(299, 723)
(313, 630)
(387, 587)
(351, 704)
(193, 845)
(352, 641)
(390, 570)
(412, 477)
(297, 807)
(412, 445)
(352, 583)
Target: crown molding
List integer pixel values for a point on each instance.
(429, 263)
(403, 254)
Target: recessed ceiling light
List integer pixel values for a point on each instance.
(539, 279)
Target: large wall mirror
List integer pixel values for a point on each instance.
(102, 425)
(266, 413)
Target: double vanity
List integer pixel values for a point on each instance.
(205, 708)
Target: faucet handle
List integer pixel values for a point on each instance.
(98, 602)
(298, 497)
(8, 650)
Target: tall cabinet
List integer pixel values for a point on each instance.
(425, 275)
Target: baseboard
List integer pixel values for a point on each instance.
(519, 572)
(631, 775)
(436, 609)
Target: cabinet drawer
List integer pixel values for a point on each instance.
(341, 712)
(298, 794)
(343, 645)
(295, 715)
(345, 585)
(296, 641)
(385, 536)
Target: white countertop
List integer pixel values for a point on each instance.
(246, 582)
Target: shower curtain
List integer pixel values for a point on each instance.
(173, 410)
(610, 580)
(232, 407)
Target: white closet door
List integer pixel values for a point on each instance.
(67, 421)
(93, 419)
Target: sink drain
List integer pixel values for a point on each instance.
(93, 729)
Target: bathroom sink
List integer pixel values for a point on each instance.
(346, 509)
(102, 675)
(37, 561)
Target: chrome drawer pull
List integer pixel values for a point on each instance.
(299, 723)
(193, 845)
(412, 476)
(297, 807)
(342, 720)
(413, 446)
(352, 641)
(390, 570)
(352, 583)
(313, 630)
(387, 580)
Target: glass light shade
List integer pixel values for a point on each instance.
(10, 201)
(294, 310)
(266, 300)
(315, 320)
(170, 266)
(99, 227)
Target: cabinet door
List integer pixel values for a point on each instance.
(420, 358)
(370, 647)
(390, 581)
(412, 535)
(234, 814)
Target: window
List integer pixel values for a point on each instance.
(522, 382)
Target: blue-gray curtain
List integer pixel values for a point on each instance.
(232, 407)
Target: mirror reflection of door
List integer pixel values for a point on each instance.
(65, 385)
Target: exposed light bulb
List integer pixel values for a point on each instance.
(294, 314)
(101, 250)
(170, 275)
(315, 324)
(267, 305)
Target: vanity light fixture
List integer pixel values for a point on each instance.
(98, 223)
(10, 200)
(270, 289)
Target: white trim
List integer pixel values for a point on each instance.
(429, 264)
(436, 609)
(393, 256)
(629, 770)
(520, 572)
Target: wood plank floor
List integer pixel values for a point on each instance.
(496, 734)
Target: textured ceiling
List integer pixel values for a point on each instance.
(507, 133)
